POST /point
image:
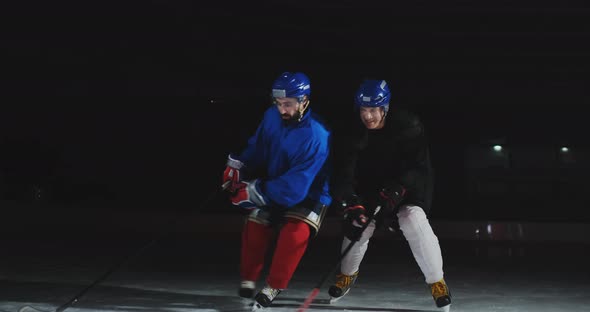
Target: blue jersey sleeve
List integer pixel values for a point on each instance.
(292, 187)
(252, 155)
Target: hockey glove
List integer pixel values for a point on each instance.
(231, 174)
(355, 219)
(248, 195)
(392, 195)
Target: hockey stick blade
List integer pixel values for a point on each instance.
(29, 308)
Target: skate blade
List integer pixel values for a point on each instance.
(334, 299)
(257, 307)
(446, 308)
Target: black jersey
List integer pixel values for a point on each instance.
(366, 161)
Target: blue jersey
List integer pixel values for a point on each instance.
(294, 156)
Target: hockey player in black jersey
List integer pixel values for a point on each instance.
(383, 159)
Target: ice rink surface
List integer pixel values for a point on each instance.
(198, 271)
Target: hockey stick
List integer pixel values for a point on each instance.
(319, 285)
(116, 266)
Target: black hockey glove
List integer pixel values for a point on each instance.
(355, 219)
(392, 196)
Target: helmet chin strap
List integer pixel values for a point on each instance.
(298, 115)
(382, 122)
(302, 111)
(383, 118)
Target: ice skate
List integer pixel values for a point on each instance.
(257, 307)
(441, 295)
(265, 297)
(247, 289)
(342, 286)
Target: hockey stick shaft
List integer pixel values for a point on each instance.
(103, 277)
(118, 265)
(324, 278)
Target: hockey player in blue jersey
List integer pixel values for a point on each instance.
(291, 148)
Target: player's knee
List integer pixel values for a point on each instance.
(410, 218)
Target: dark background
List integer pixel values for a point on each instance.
(139, 102)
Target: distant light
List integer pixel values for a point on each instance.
(565, 149)
(498, 148)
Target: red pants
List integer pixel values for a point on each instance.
(290, 247)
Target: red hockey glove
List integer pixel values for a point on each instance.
(231, 175)
(248, 195)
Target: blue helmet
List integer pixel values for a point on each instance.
(291, 85)
(373, 93)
